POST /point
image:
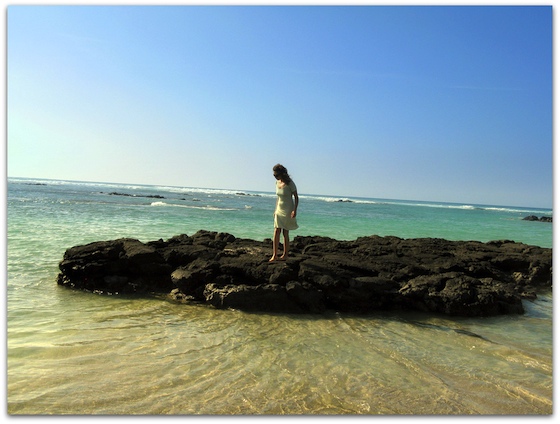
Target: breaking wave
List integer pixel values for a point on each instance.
(206, 208)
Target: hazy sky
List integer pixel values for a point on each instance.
(442, 103)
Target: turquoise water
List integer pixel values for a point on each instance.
(77, 353)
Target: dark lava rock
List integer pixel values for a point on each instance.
(463, 278)
(536, 218)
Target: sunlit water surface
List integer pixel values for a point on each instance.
(72, 352)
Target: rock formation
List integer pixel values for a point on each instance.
(463, 278)
(536, 218)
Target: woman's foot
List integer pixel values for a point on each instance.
(282, 258)
(274, 258)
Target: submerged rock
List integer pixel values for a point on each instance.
(464, 278)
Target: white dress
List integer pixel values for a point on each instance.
(285, 206)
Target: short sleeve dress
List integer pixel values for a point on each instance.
(282, 215)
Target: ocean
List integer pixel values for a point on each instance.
(76, 353)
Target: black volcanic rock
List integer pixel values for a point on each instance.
(464, 278)
(536, 218)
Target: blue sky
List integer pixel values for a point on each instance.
(442, 103)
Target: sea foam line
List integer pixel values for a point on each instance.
(329, 199)
(430, 205)
(206, 208)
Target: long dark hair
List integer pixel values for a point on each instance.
(282, 173)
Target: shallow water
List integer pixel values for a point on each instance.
(72, 352)
(89, 354)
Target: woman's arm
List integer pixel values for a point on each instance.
(296, 203)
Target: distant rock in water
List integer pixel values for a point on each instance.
(536, 218)
(463, 278)
(240, 193)
(150, 196)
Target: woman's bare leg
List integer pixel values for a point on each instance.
(286, 244)
(275, 241)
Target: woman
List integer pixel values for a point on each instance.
(286, 210)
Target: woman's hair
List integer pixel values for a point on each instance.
(282, 173)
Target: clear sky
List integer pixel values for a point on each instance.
(442, 103)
